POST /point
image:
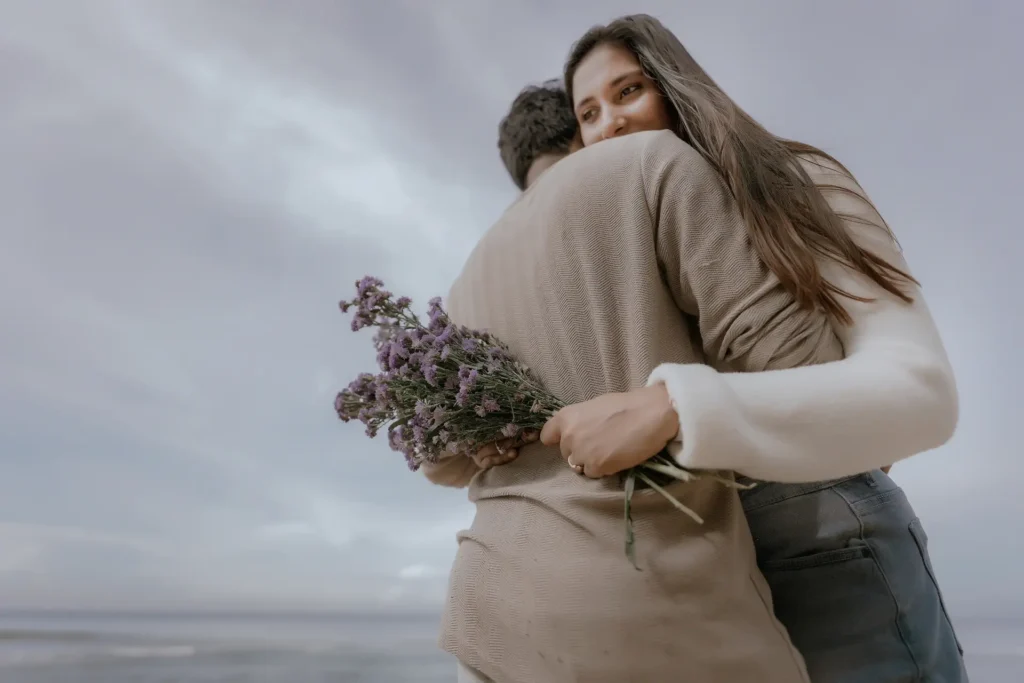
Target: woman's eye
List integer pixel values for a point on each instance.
(629, 90)
(587, 115)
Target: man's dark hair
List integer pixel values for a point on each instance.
(540, 121)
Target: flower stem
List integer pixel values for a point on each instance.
(650, 482)
(630, 539)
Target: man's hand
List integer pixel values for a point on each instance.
(613, 432)
(502, 452)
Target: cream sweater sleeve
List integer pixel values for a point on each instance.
(893, 395)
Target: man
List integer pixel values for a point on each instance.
(539, 130)
(592, 277)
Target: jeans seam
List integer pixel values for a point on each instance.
(896, 603)
(790, 494)
(780, 628)
(873, 503)
(922, 548)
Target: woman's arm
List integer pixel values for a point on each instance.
(747, 321)
(893, 395)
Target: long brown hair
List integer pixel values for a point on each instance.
(789, 219)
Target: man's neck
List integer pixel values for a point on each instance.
(541, 164)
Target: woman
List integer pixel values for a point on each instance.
(843, 552)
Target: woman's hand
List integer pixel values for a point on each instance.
(502, 452)
(613, 432)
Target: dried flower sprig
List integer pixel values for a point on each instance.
(445, 390)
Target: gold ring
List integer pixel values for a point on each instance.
(578, 469)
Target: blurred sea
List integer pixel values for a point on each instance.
(120, 648)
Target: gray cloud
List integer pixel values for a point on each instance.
(187, 189)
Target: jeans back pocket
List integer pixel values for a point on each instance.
(839, 612)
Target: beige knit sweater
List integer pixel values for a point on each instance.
(624, 256)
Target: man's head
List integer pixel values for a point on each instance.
(539, 129)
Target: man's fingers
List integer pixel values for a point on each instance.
(487, 451)
(498, 459)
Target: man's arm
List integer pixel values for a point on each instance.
(748, 322)
(892, 397)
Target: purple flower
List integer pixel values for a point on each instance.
(395, 439)
(411, 462)
(424, 370)
(367, 284)
(419, 434)
(437, 317)
(362, 385)
(442, 338)
(468, 377)
(339, 407)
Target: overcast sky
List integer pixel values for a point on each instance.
(187, 188)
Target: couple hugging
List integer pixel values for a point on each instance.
(683, 278)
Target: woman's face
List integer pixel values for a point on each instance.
(613, 97)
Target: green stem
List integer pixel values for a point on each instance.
(650, 482)
(665, 466)
(676, 472)
(630, 539)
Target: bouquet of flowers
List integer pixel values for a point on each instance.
(444, 390)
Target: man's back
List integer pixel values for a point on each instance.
(568, 277)
(591, 279)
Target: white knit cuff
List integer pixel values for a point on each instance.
(701, 398)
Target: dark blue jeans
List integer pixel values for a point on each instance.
(848, 566)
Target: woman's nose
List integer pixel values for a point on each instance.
(613, 127)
